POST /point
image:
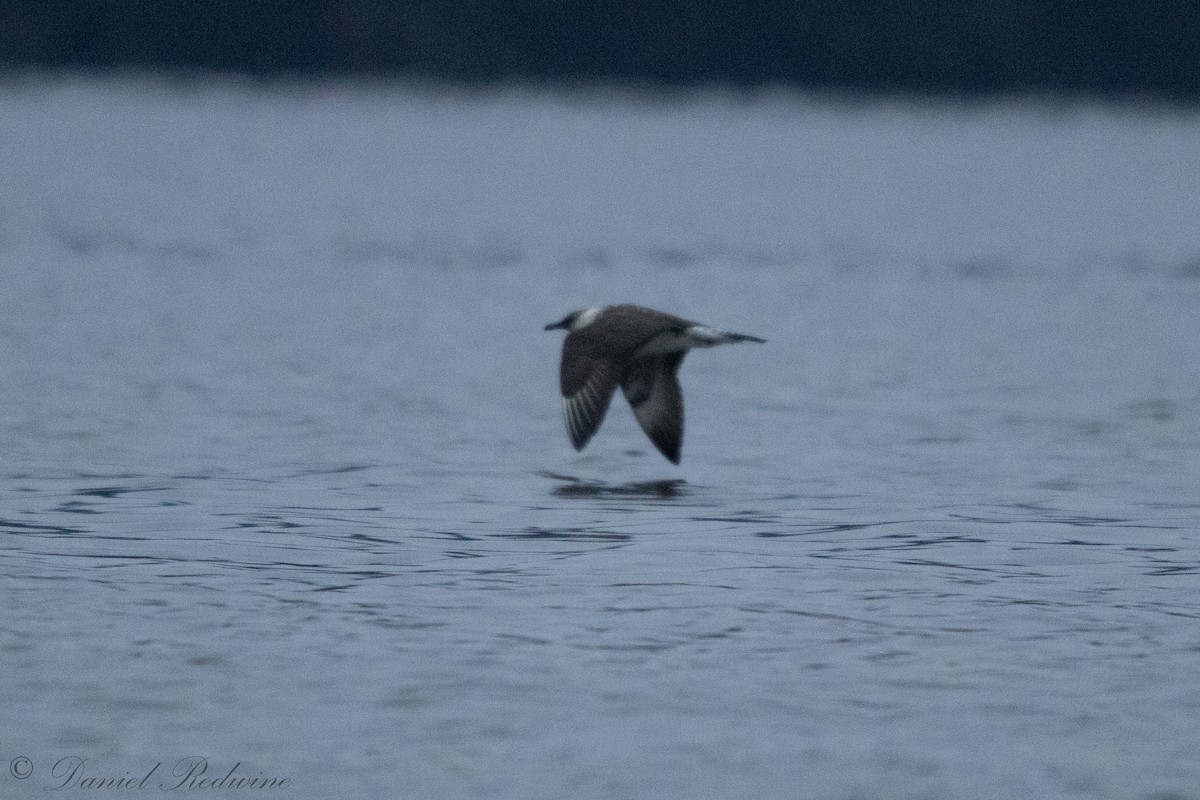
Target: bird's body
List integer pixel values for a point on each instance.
(640, 350)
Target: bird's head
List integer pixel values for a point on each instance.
(575, 320)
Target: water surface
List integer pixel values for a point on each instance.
(284, 484)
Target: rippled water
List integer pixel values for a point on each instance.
(285, 485)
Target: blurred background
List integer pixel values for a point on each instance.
(1108, 47)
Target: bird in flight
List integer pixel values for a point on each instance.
(640, 350)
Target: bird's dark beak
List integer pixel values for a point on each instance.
(556, 326)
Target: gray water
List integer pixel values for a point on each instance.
(284, 483)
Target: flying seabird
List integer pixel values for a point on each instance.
(640, 350)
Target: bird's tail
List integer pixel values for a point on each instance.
(709, 337)
(730, 338)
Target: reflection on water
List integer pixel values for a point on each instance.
(570, 534)
(570, 486)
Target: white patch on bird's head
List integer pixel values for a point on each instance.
(584, 318)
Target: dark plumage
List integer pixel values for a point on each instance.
(640, 350)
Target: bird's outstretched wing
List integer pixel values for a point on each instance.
(651, 386)
(585, 408)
